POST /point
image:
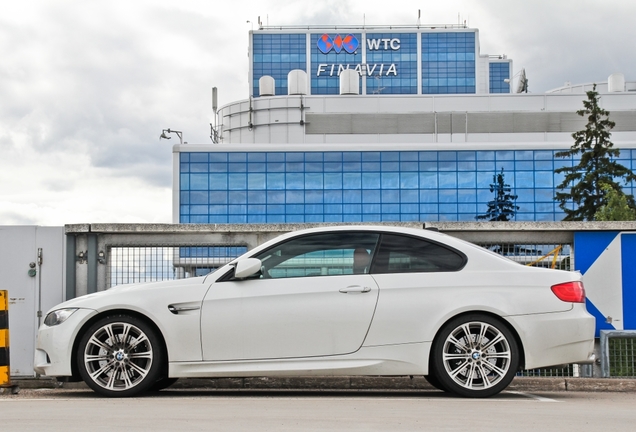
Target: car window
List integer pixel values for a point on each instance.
(404, 254)
(324, 254)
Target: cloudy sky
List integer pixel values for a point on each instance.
(86, 86)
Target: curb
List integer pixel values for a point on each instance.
(357, 383)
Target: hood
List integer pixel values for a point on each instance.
(121, 292)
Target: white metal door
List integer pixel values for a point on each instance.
(43, 288)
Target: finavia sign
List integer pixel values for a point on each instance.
(350, 44)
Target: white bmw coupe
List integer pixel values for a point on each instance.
(328, 301)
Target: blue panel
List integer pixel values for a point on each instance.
(498, 72)
(601, 323)
(392, 63)
(276, 55)
(588, 246)
(448, 62)
(628, 252)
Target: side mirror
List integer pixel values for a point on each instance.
(247, 267)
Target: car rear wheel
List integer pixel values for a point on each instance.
(475, 356)
(119, 356)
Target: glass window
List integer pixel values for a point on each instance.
(403, 254)
(326, 254)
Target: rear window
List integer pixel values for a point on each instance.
(404, 254)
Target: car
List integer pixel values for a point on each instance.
(347, 300)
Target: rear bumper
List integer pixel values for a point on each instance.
(556, 338)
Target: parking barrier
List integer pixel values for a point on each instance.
(5, 368)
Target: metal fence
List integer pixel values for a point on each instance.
(132, 264)
(622, 356)
(618, 353)
(148, 253)
(155, 263)
(534, 254)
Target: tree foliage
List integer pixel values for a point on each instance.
(617, 207)
(582, 187)
(502, 207)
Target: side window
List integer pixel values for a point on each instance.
(403, 254)
(325, 254)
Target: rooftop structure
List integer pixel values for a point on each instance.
(355, 124)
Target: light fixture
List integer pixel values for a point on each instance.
(164, 136)
(82, 256)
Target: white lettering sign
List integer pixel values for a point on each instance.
(371, 69)
(385, 44)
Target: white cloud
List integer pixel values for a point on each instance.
(87, 86)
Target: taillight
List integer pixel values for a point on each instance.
(572, 292)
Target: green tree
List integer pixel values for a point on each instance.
(617, 207)
(582, 187)
(502, 207)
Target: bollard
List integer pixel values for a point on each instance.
(5, 369)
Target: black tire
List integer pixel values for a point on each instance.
(474, 356)
(434, 381)
(163, 383)
(120, 356)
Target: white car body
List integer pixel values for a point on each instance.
(349, 324)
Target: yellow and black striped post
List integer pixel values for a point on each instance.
(5, 378)
(5, 368)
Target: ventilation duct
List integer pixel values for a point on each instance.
(266, 86)
(616, 83)
(349, 82)
(297, 82)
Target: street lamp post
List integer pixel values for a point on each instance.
(164, 136)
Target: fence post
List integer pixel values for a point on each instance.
(5, 368)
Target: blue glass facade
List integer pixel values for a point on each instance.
(379, 60)
(498, 72)
(447, 60)
(448, 63)
(276, 55)
(368, 186)
(221, 252)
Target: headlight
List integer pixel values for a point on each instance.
(58, 317)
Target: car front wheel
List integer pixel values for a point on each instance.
(475, 356)
(119, 356)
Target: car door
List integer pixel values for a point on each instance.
(311, 299)
(420, 280)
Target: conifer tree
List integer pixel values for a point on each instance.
(582, 188)
(502, 207)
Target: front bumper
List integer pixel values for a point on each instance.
(54, 347)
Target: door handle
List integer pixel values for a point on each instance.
(355, 289)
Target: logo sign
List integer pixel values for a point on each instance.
(326, 43)
(337, 43)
